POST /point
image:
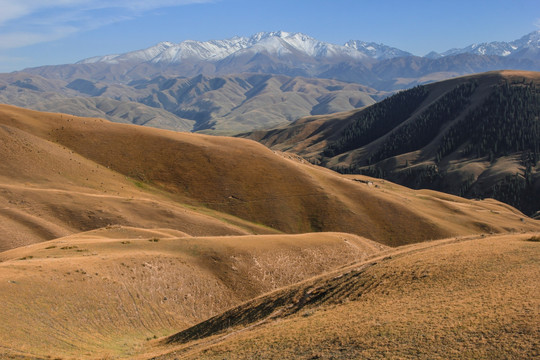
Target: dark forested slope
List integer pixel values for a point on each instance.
(474, 136)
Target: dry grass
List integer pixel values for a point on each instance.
(101, 290)
(80, 174)
(108, 291)
(469, 298)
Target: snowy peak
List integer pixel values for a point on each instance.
(376, 51)
(492, 48)
(279, 43)
(139, 55)
(527, 46)
(273, 34)
(531, 40)
(284, 43)
(167, 52)
(287, 45)
(196, 50)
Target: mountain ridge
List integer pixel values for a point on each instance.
(282, 42)
(527, 46)
(445, 135)
(114, 84)
(226, 104)
(293, 54)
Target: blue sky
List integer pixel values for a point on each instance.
(45, 32)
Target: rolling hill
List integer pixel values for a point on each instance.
(64, 174)
(474, 136)
(220, 104)
(115, 237)
(106, 292)
(450, 299)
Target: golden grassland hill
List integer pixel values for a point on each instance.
(104, 293)
(152, 232)
(64, 174)
(474, 297)
(474, 136)
(48, 191)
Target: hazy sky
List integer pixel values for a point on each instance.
(44, 32)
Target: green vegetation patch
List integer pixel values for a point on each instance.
(507, 122)
(420, 132)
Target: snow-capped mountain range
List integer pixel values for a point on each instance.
(375, 65)
(272, 76)
(528, 46)
(285, 44)
(376, 51)
(278, 43)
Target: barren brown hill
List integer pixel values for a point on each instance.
(459, 298)
(48, 191)
(38, 93)
(64, 175)
(224, 104)
(105, 293)
(475, 136)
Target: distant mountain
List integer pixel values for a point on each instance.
(244, 83)
(526, 47)
(294, 54)
(225, 104)
(377, 51)
(474, 136)
(284, 44)
(280, 43)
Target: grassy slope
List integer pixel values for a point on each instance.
(462, 298)
(48, 191)
(311, 136)
(239, 177)
(104, 292)
(307, 136)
